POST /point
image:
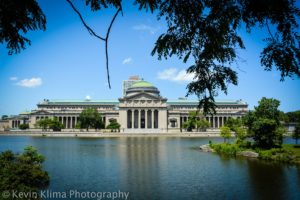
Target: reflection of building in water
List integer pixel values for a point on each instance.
(141, 109)
(141, 162)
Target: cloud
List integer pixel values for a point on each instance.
(127, 61)
(13, 78)
(30, 83)
(143, 27)
(172, 74)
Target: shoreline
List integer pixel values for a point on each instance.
(104, 135)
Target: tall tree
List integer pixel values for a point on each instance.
(264, 124)
(90, 118)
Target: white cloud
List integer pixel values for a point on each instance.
(143, 27)
(172, 74)
(30, 83)
(13, 78)
(127, 61)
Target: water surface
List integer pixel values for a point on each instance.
(157, 168)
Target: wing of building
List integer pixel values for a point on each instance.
(141, 109)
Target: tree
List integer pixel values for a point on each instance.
(293, 116)
(113, 125)
(43, 123)
(90, 118)
(296, 133)
(264, 124)
(202, 124)
(225, 133)
(55, 125)
(265, 134)
(204, 31)
(16, 19)
(24, 126)
(233, 123)
(22, 172)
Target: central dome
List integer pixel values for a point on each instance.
(142, 86)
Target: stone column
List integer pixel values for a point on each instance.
(214, 121)
(139, 118)
(67, 121)
(132, 119)
(152, 115)
(71, 122)
(146, 119)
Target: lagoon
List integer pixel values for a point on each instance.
(157, 168)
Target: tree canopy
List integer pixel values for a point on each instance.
(225, 133)
(296, 133)
(53, 124)
(113, 125)
(264, 124)
(22, 172)
(90, 118)
(205, 31)
(196, 120)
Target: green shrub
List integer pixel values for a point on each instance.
(276, 154)
(227, 149)
(24, 126)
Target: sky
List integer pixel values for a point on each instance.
(65, 62)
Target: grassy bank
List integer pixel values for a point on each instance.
(288, 153)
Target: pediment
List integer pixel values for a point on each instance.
(143, 96)
(41, 112)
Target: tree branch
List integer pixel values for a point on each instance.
(90, 30)
(82, 20)
(270, 31)
(106, 44)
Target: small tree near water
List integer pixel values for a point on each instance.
(225, 133)
(113, 125)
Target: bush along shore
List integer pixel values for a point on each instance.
(287, 153)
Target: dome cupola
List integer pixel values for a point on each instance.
(142, 86)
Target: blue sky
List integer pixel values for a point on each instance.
(65, 62)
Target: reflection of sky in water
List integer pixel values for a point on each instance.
(157, 168)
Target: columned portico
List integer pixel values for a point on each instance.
(143, 119)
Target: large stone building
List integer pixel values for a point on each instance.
(141, 109)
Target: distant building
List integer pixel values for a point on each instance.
(128, 83)
(141, 109)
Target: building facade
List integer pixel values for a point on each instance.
(141, 110)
